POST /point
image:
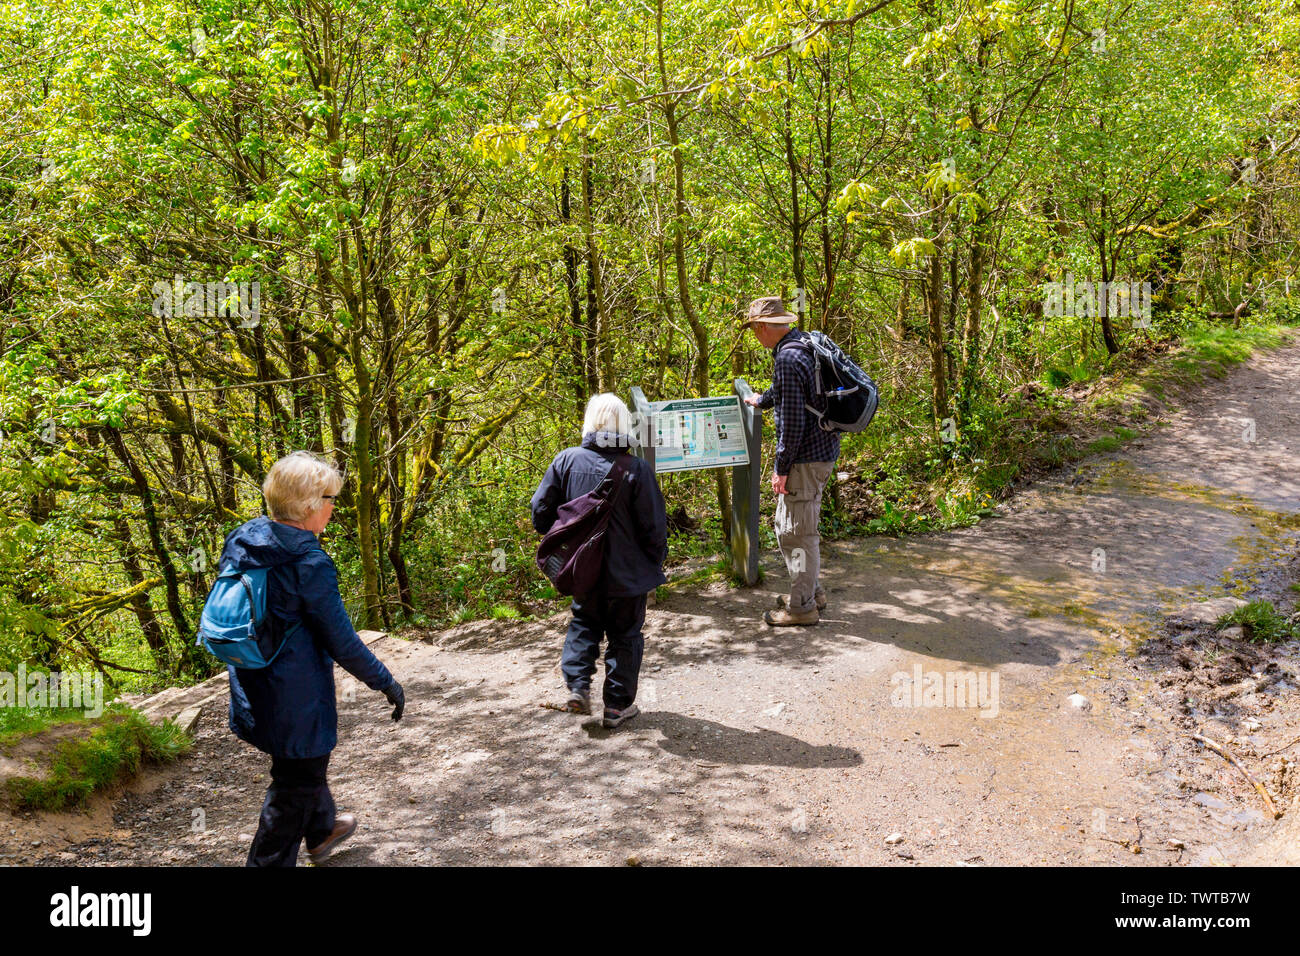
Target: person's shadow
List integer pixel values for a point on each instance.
(694, 739)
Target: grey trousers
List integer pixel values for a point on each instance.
(797, 514)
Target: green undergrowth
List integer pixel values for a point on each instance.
(114, 747)
(718, 569)
(914, 482)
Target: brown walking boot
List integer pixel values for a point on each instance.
(345, 824)
(783, 617)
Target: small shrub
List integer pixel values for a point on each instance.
(1260, 623)
(1057, 377)
(1104, 444)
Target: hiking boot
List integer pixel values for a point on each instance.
(579, 702)
(819, 597)
(784, 617)
(345, 824)
(613, 718)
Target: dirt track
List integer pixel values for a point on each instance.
(788, 746)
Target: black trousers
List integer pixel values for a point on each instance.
(298, 806)
(619, 621)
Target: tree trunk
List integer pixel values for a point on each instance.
(900, 334)
(581, 377)
(599, 375)
(683, 285)
(365, 495)
(140, 606)
(152, 524)
(1107, 328)
(970, 345)
(934, 287)
(796, 219)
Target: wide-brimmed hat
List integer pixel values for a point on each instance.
(770, 309)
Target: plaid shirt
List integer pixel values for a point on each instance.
(798, 436)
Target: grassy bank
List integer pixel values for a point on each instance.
(75, 758)
(19, 722)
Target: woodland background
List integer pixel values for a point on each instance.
(465, 218)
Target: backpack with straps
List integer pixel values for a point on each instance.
(235, 627)
(849, 394)
(572, 553)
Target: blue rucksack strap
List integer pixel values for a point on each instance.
(252, 605)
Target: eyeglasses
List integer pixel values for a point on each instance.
(329, 497)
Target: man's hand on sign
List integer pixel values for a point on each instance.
(754, 399)
(778, 484)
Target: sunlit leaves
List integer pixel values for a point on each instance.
(906, 253)
(853, 198)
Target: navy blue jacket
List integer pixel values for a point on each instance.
(637, 536)
(287, 709)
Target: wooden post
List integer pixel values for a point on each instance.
(643, 444)
(746, 487)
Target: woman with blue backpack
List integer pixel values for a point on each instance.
(275, 616)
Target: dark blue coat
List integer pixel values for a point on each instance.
(637, 536)
(287, 709)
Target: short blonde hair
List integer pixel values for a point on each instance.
(606, 412)
(295, 485)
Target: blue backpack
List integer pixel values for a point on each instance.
(235, 627)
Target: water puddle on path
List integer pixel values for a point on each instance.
(1104, 556)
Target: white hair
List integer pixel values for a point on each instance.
(295, 484)
(606, 412)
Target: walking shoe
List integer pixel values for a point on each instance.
(579, 702)
(615, 717)
(819, 597)
(345, 824)
(783, 617)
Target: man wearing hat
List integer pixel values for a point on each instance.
(805, 457)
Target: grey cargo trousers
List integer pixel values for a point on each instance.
(797, 514)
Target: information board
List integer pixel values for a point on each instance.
(692, 433)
